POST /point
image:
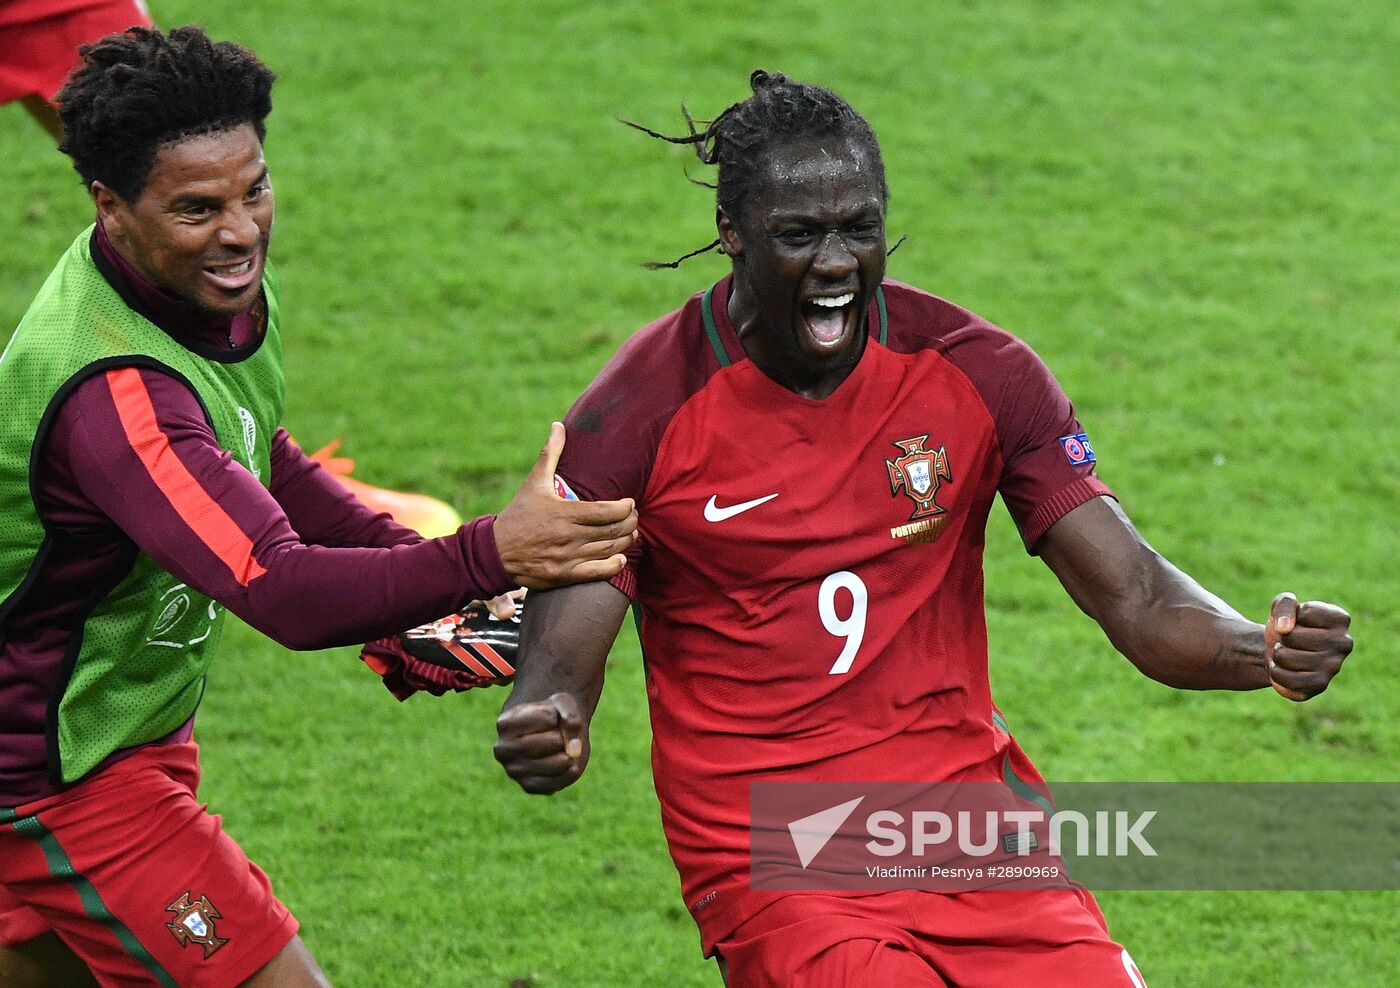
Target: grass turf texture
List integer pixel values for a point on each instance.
(1188, 209)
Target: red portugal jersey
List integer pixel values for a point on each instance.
(809, 576)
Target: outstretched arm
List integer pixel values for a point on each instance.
(564, 643)
(132, 448)
(319, 508)
(1175, 630)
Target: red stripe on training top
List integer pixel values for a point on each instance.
(205, 517)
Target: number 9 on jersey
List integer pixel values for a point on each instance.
(851, 627)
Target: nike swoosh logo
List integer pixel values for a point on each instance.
(714, 512)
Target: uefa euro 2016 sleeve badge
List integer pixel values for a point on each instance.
(918, 473)
(194, 923)
(1078, 449)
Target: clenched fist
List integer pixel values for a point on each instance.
(1304, 645)
(543, 745)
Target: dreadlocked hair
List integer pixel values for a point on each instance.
(141, 89)
(780, 113)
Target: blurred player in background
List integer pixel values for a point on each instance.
(814, 451)
(145, 488)
(39, 41)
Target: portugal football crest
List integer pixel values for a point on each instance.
(194, 923)
(918, 472)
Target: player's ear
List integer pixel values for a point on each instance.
(729, 240)
(110, 208)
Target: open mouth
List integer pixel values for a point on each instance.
(234, 276)
(827, 317)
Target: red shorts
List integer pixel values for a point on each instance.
(991, 939)
(37, 55)
(139, 879)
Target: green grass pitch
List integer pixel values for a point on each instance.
(1189, 208)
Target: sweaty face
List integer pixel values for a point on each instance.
(809, 252)
(199, 229)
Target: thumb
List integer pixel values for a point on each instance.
(1283, 613)
(542, 473)
(1283, 617)
(570, 722)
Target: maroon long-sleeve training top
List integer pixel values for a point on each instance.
(307, 564)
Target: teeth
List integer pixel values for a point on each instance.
(834, 302)
(232, 269)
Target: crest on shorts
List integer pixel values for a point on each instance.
(194, 923)
(918, 472)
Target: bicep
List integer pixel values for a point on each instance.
(1119, 580)
(147, 458)
(1100, 558)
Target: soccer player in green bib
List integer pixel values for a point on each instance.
(145, 490)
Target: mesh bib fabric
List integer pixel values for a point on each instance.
(137, 665)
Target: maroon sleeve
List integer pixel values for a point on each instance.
(139, 448)
(615, 427)
(320, 510)
(1040, 482)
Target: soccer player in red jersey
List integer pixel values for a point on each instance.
(814, 450)
(146, 489)
(39, 41)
